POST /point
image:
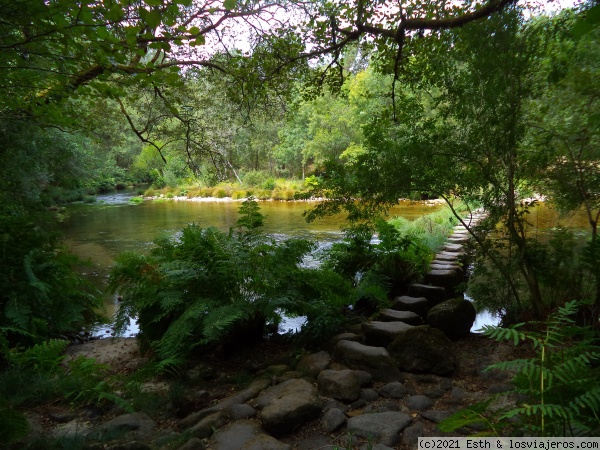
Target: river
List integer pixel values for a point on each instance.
(98, 232)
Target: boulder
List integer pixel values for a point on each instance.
(418, 305)
(423, 349)
(395, 389)
(418, 402)
(433, 294)
(374, 360)
(391, 315)
(380, 334)
(245, 435)
(454, 317)
(312, 365)
(332, 420)
(382, 428)
(288, 405)
(344, 385)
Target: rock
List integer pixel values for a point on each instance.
(453, 248)
(423, 349)
(454, 317)
(374, 360)
(433, 294)
(436, 416)
(450, 256)
(418, 305)
(193, 444)
(411, 435)
(288, 405)
(446, 278)
(332, 420)
(205, 427)
(344, 385)
(395, 389)
(458, 238)
(418, 402)
(312, 365)
(242, 397)
(245, 435)
(447, 265)
(409, 317)
(499, 388)
(74, 428)
(353, 337)
(241, 411)
(375, 447)
(369, 395)
(380, 334)
(126, 423)
(383, 427)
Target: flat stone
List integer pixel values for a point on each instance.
(245, 435)
(436, 416)
(450, 256)
(312, 365)
(193, 444)
(332, 420)
(411, 435)
(395, 389)
(447, 265)
(433, 294)
(241, 411)
(288, 405)
(382, 428)
(344, 385)
(205, 427)
(418, 305)
(353, 337)
(409, 317)
(374, 360)
(446, 278)
(242, 397)
(135, 422)
(380, 334)
(453, 248)
(418, 402)
(458, 239)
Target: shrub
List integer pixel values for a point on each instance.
(559, 388)
(209, 286)
(268, 184)
(255, 178)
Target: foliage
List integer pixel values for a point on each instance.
(558, 387)
(374, 266)
(42, 296)
(208, 286)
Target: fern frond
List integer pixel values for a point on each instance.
(504, 334)
(13, 425)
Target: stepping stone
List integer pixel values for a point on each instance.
(381, 334)
(288, 405)
(433, 294)
(344, 385)
(450, 256)
(374, 360)
(436, 416)
(245, 434)
(418, 305)
(458, 239)
(383, 428)
(418, 402)
(391, 315)
(445, 278)
(453, 248)
(446, 265)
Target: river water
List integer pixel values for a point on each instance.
(98, 232)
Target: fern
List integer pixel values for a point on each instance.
(560, 385)
(13, 425)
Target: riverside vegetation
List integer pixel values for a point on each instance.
(483, 103)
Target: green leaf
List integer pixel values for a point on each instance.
(153, 2)
(229, 4)
(194, 30)
(152, 18)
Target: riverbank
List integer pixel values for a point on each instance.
(229, 387)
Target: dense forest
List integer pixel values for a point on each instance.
(489, 105)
